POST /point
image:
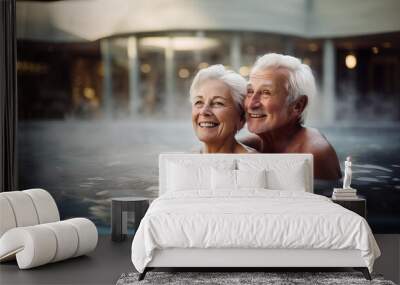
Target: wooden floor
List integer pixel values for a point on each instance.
(102, 266)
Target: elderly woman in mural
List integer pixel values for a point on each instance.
(217, 97)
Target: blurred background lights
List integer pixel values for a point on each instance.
(89, 93)
(244, 71)
(375, 50)
(307, 61)
(313, 47)
(351, 61)
(202, 65)
(132, 51)
(179, 43)
(184, 73)
(145, 68)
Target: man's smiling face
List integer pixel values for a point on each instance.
(266, 101)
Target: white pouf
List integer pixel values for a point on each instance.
(31, 232)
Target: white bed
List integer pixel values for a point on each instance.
(250, 210)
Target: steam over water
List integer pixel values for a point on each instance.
(86, 163)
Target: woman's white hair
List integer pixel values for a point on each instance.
(236, 83)
(301, 80)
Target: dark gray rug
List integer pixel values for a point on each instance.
(228, 278)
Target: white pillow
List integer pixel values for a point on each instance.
(183, 178)
(251, 178)
(225, 179)
(289, 175)
(286, 177)
(184, 174)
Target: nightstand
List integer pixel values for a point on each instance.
(358, 205)
(119, 214)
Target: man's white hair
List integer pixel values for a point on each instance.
(301, 80)
(235, 82)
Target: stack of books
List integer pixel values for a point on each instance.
(343, 194)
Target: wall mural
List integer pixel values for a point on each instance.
(87, 132)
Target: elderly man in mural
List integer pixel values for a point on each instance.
(278, 94)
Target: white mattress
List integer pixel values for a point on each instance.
(257, 218)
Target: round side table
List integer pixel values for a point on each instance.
(120, 207)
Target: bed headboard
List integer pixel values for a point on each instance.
(237, 159)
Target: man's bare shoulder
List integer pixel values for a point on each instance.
(315, 142)
(326, 162)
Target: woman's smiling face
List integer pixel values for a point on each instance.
(215, 116)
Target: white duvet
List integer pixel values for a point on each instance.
(250, 219)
